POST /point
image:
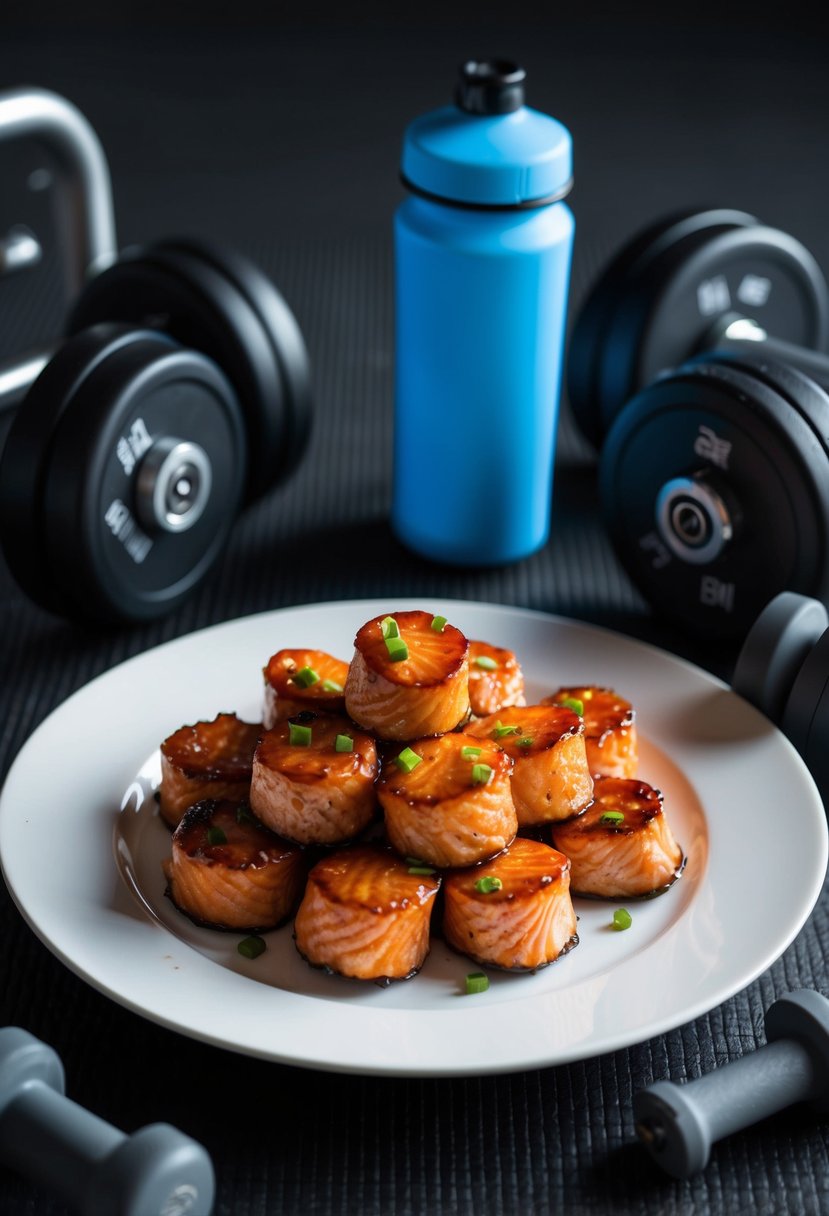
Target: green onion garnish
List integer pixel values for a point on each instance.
(397, 648)
(470, 753)
(251, 947)
(389, 628)
(331, 686)
(407, 760)
(243, 815)
(612, 817)
(476, 982)
(488, 883)
(421, 869)
(438, 623)
(622, 919)
(343, 743)
(481, 774)
(527, 741)
(501, 731)
(216, 836)
(484, 661)
(305, 677)
(299, 736)
(571, 703)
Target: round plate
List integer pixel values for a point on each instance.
(81, 847)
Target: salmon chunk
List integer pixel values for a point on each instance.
(366, 914)
(207, 760)
(302, 679)
(408, 678)
(227, 871)
(448, 800)
(550, 778)
(609, 729)
(622, 845)
(495, 679)
(514, 912)
(313, 779)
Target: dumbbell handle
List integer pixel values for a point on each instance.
(741, 336)
(97, 1169)
(679, 1123)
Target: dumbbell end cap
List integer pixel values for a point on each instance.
(803, 1015)
(25, 1060)
(671, 1129)
(157, 1171)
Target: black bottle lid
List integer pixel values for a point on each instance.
(490, 86)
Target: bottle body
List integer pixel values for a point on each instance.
(480, 318)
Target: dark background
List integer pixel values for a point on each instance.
(279, 129)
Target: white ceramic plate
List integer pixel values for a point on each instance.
(81, 848)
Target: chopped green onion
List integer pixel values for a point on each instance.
(622, 919)
(305, 677)
(299, 736)
(571, 703)
(251, 947)
(481, 774)
(612, 817)
(438, 623)
(343, 743)
(470, 753)
(243, 815)
(527, 741)
(397, 648)
(389, 627)
(407, 760)
(216, 836)
(331, 686)
(484, 661)
(421, 869)
(487, 884)
(476, 982)
(501, 731)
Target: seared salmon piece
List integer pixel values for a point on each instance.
(495, 679)
(366, 914)
(550, 778)
(448, 800)
(609, 729)
(207, 760)
(303, 679)
(514, 912)
(313, 779)
(622, 845)
(227, 871)
(408, 679)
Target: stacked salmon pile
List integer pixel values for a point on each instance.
(408, 791)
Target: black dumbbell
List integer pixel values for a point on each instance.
(679, 1123)
(697, 366)
(99, 1171)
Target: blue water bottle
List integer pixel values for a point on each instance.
(483, 246)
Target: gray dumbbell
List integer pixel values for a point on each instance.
(96, 1169)
(679, 1123)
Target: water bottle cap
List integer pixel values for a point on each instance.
(490, 86)
(489, 149)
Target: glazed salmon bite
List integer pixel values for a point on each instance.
(227, 871)
(302, 679)
(207, 760)
(450, 803)
(550, 777)
(514, 912)
(609, 728)
(313, 779)
(407, 678)
(366, 914)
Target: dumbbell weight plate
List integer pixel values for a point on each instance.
(768, 456)
(654, 310)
